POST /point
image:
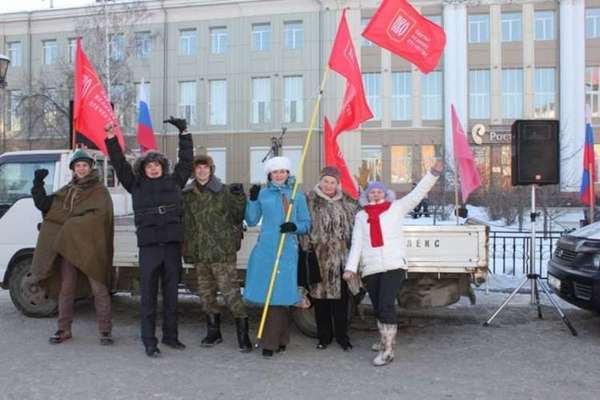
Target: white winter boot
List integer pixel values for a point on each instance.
(388, 336)
(378, 345)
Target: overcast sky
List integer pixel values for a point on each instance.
(27, 5)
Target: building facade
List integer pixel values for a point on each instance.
(241, 71)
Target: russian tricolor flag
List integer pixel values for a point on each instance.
(145, 133)
(589, 164)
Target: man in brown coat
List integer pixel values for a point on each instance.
(75, 240)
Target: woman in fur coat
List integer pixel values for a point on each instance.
(378, 242)
(332, 213)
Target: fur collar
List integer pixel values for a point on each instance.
(338, 194)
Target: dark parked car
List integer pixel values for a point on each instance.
(574, 269)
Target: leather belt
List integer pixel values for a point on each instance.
(160, 210)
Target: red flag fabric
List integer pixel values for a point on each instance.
(398, 27)
(91, 106)
(342, 59)
(469, 175)
(334, 157)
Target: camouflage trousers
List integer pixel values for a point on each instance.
(220, 277)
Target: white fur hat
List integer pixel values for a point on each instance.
(275, 163)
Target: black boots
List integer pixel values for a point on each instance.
(241, 325)
(213, 330)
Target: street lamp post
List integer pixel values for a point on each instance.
(4, 61)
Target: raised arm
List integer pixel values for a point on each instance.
(183, 168)
(412, 199)
(253, 208)
(42, 201)
(122, 167)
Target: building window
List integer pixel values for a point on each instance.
(13, 122)
(15, 53)
(511, 27)
(50, 52)
(49, 108)
(217, 104)
(293, 153)
(544, 25)
(482, 162)
(219, 156)
(293, 32)
(479, 28)
(117, 47)
(364, 42)
(372, 84)
(372, 159)
(512, 93)
(545, 96)
(401, 96)
(261, 100)
(592, 23)
(257, 172)
(431, 99)
(429, 154)
(479, 94)
(293, 99)
(505, 167)
(261, 37)
(402, 164)
(592, 89)
(187, 101)
(188, 42)
(219, 40)
(72, 50)
(143, 44)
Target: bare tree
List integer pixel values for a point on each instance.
(45, 108)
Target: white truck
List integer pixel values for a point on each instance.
(444, 261)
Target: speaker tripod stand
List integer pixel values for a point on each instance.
(534, 279)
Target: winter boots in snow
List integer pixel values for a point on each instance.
(213, 330)
(387, 344)
(241, 325)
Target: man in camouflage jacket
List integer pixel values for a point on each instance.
(213, 214)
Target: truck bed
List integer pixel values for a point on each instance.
(430, 249)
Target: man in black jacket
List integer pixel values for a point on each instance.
(158, 209)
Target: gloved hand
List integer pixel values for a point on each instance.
(254, 192)
(236, 189)
(40, 175)
(288, 227)
(179, 123)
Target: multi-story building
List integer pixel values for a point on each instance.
(241, 70)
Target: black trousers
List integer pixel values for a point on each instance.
(336, 311)
(383, 289)
(159, 262)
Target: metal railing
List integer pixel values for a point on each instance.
(509, 252)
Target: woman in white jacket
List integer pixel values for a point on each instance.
(378, 241)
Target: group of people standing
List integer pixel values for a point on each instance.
(201, 222)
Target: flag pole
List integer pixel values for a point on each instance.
(456, 189)
(288, 215)
(591, 189)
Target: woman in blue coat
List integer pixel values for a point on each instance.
(271, 204)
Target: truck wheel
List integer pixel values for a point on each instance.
(29, 298)
(305, 321)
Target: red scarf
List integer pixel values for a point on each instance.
(374, 211)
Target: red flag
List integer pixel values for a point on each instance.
(333, 156)
(355, 109)
(469, 175)
(91, 106)
(398, 27)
